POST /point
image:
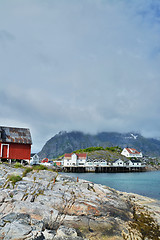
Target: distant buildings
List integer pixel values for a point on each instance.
(81, 161)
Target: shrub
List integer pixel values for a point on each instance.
(18, 165)
(39, 167)
(14, 178)
(27, 170)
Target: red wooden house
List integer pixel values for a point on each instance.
(15, 143)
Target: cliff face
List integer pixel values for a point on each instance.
(67, 142)
(44, 205)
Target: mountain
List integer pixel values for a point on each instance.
(67, 142)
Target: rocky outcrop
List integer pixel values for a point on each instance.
(46, 205)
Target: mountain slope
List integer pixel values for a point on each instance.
(67, 142)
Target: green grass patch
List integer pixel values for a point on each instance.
(27, 170)
(39, 167)
(14, 178)
(18, 165)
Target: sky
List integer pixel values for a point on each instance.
(89, 65)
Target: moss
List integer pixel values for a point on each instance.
(39, 167)
(143, 226)
(14, 178)
(27, 170)
(18, 165)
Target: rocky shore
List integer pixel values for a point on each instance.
(42, 204)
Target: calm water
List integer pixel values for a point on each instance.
(144, 183)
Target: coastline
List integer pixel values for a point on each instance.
(152, 168)
(46, 205)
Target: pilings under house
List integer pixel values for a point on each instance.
(108, 169)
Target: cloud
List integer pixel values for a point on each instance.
(80, 65)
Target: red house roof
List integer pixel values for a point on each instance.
(132, 151)
(67, 154)
(79, 155)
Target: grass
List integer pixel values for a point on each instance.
(18, 165)
(14, 178)
(36, 167)
(39, 167)
(27, 170)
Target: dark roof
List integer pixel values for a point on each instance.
(32, 154)
(117, 160)
(135, 161)
(15, 135)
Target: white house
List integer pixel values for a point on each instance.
(133, 163)
(89, 163)
(34, 159)
(118, 163)
(131, 152)
(96, 163)
(74, 159)
(103, 163)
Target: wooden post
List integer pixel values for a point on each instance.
(77, 179)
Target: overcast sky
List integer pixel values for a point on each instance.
(89, 65)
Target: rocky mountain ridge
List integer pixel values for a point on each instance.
(67, 142)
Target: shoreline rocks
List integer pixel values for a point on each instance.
(47, 205)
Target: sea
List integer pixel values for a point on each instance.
(143, 183)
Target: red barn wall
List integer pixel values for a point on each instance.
(18, 151)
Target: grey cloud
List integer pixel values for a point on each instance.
(80, 65)
(6, 36)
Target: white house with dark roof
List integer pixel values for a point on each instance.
(118, 163)
(131, 152)
(133, 163)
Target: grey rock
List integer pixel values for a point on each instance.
(15, 230)
(2, 223)
(49, 234)
(3, 195)
(21, 217)
(63, 231)
(37, 208)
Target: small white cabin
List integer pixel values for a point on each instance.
(34, 160)
(103, 163)
(133, 163)
(118, 163)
